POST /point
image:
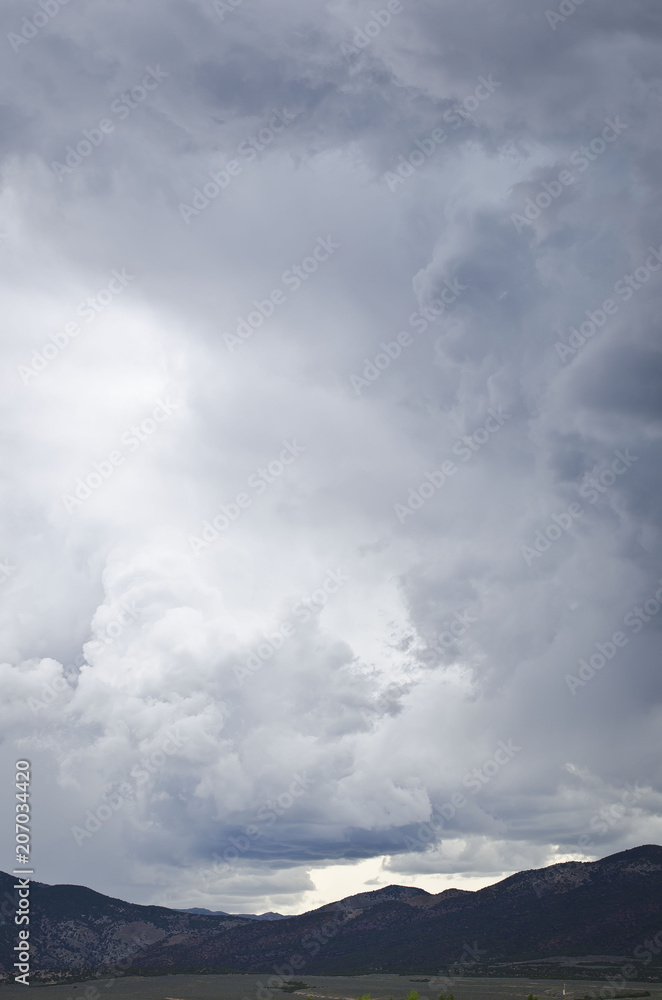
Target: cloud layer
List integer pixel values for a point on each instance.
(332, 406)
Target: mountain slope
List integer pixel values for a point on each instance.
(72, 927)
(608, 907)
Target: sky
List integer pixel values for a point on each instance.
(332, 398)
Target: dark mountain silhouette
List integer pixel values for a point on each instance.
(607, 911)
(270, 915)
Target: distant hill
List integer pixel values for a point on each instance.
(541, 922)
(270, 915)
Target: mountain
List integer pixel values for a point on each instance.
(270, 915)
(546, 920)
(77, 929)
(201, 909)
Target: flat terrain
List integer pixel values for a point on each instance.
(248, 987)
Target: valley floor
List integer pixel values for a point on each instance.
(380, 987)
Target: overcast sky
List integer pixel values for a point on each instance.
(332, 397)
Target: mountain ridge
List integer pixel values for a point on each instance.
(269, 915)
(609, 907)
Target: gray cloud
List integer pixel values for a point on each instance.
(115, 630)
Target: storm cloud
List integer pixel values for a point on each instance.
(332, 421)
